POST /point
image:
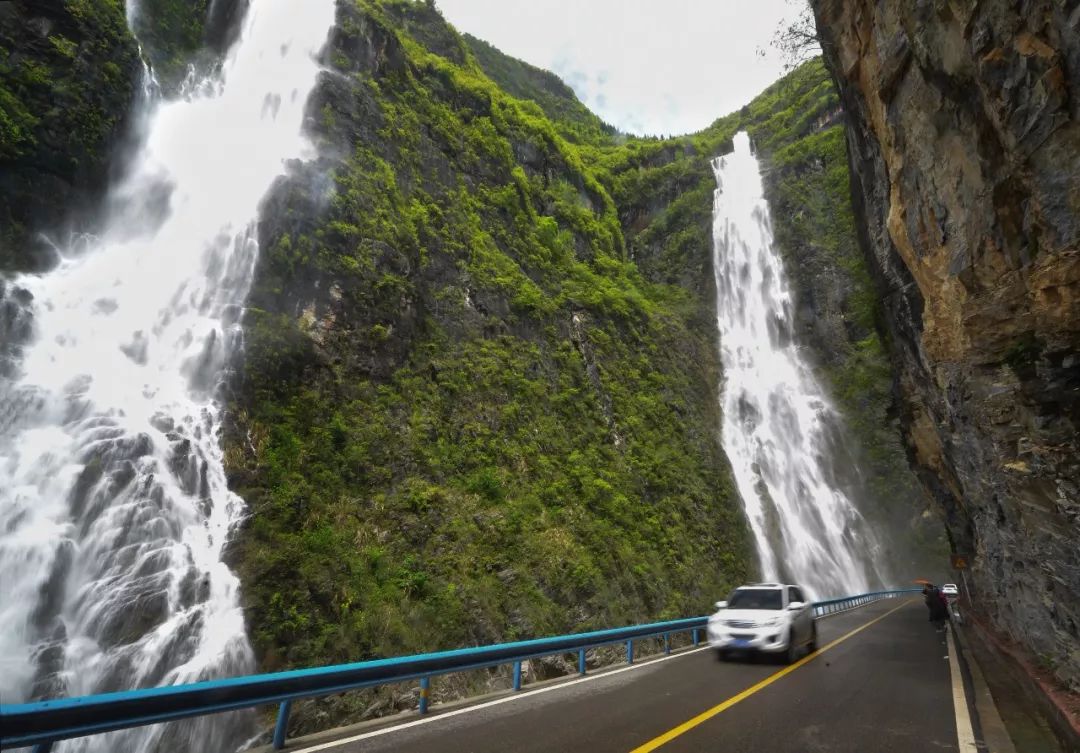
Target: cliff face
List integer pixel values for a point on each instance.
(964, 143)
(464, 414)
(68, 76)
(178, 35)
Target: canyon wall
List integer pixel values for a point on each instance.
(963, 134)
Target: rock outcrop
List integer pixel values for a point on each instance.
(964, 143)
(182, 38)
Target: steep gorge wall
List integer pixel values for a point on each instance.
(964, 143)
(478, 397)
(464, 414)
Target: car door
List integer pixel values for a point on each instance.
(801, 619)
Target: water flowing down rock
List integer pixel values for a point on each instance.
(776, 415)
(113, 500)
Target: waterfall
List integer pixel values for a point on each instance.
(776, 416)
(114, 509)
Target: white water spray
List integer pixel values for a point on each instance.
(114, 508)
(776, 415)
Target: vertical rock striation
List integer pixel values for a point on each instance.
(964, 142)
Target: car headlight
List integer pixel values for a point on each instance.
(772, 622)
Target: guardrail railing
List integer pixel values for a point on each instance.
(824, 608)
(44, 722)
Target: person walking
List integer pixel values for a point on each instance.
(936, 605)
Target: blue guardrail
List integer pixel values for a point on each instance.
(42, 723)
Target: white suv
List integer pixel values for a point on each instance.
(769, 618)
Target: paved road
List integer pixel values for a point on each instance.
(887, 688)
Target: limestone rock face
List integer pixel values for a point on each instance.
(964, 142)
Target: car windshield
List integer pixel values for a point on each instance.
(756, 598)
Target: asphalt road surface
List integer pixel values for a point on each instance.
(881, 682)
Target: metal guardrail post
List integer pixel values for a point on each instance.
(517, 675)
(667, 643)
(42, 748)
(425, 687)
(581, 661)
(282, 724)
(695, 634)
(630, 652)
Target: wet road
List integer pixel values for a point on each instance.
(881, 682)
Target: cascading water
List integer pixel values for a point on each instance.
(776, 415)
(114, 509)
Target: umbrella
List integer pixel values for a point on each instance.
(922, 582)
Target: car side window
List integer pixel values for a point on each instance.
(792, 594)
(796, 595)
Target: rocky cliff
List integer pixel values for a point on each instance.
(964, 143)
(68, 76)
(464, 412)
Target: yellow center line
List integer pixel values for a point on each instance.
(705, 716)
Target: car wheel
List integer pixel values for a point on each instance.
(813, 645)
(721, 655)
(792, 650)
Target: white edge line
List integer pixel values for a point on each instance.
(516, 697)
(965, 735)
(529, 693)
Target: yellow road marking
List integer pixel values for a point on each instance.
(705, 716)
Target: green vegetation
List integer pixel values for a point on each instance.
(465, 413)
(574, 121)
(170, 32)
(1024, 352)
(64, 95)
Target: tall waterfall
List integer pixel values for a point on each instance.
(114, 509)
(776, 415)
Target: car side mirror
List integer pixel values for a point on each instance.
(721, 605)
(796, 605)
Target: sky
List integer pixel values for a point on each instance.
(656, 67)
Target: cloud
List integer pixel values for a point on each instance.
(644, 66)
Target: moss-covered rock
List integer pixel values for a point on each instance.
(179, 37)
(574, 121)
(68, 74)
(464, 413)
(171, 32)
